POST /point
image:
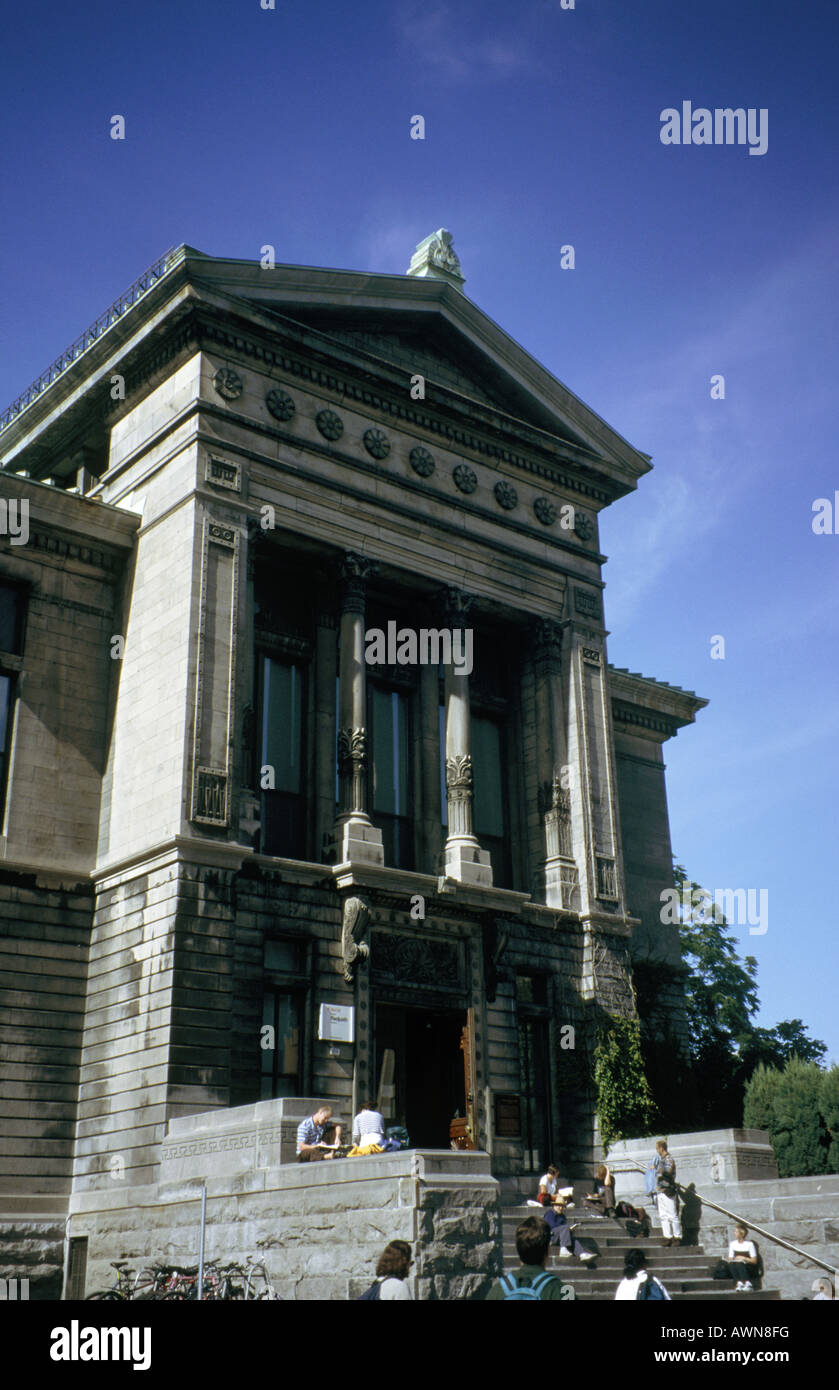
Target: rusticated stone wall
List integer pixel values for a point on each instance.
(319, 1228)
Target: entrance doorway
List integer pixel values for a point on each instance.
(534, 1063)
(428, 1075)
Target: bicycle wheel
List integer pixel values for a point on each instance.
(106, 1296)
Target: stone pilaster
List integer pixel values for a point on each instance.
(464, 858)
(559, 874)
(591, 775)
(356, 836)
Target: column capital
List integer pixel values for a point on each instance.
(355, 570)
(455, 603)
(546, 640)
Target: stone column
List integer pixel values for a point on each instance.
(355, 835)
(465, 860)
(556, 776)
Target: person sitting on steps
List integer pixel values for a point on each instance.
(602, 1199)
(563, 1236)
(742, 1260)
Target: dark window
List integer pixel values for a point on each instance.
(12, 608)
(390, 797)
(282, 1013)
(532, 990)
(488, 768)
(283, 1010)
(282, 696)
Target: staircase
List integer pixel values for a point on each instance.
(685, 1271)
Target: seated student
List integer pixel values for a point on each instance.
(316, 1137)
(637, 1282)
(368, 1127)
(562, 1235)
(742, 1260)
(531, 1280)
(602, 1199)
(550, 1191)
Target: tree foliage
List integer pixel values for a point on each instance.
(725, 1046)
(793, 1105)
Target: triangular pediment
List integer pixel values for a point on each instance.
(419, 326)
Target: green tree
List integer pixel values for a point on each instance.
(759, 1100)
(725, 1045)
(799, 1135)
(829, 1105)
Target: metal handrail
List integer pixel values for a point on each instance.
(739, 1220)
(140, 287)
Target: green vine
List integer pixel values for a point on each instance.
(624, 1100)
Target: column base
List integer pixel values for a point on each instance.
(466, 862)
(358, 840)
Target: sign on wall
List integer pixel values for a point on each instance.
(336, 1023)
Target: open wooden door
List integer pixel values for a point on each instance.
(463, 1133)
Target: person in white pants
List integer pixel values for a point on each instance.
(667, 1199)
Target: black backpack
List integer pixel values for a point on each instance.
(374, 1291)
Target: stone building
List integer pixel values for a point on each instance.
(219, 815)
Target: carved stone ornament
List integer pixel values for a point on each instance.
(422, 461)
(280, 404)
(465, 478)
(506, 496)
(356, 919)
(228, 383)
(436, 258)
(456, 604)
(459, 773)
(330, 425)
(352, 748)
(417, 961)
(547, 640)
(583, 526)
(376, 443)
(545, 511)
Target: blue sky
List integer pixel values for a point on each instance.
(291, 127)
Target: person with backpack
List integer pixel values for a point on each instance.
(667, 1196)
(392, 1269)
(637, 1282)
(531, 1281)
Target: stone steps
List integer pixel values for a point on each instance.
(685, 1270)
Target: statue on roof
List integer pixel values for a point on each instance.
(436, 259)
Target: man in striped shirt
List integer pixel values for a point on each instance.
(310, 1136)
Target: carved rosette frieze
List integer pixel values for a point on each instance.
(422, 461)
(228, 384)
(352, 769)
(505, 495)
(376, 443)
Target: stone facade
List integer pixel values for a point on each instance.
(219, 816)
